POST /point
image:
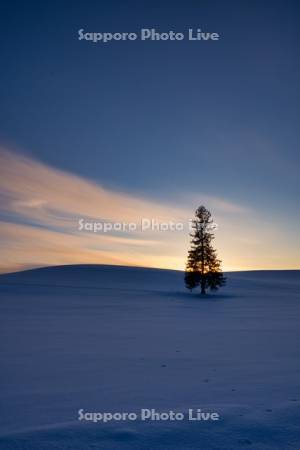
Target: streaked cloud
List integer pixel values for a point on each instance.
(53, 197)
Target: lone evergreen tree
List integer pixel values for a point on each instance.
(203, 268)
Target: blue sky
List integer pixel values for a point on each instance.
(166, 121)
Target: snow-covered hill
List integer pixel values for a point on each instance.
(119, 339)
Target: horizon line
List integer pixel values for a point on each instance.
(141, 267)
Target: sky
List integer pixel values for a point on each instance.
(125, 130)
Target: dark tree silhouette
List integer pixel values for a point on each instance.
(203, 268)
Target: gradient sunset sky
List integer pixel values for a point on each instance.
(126, 130)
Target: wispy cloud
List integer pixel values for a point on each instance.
(42, 206)
(50, 196)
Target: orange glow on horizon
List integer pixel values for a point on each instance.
(42, 206)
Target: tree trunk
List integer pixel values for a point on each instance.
(202, 287)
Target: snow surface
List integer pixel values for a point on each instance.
(106, 338)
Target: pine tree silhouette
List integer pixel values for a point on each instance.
(203, 268)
